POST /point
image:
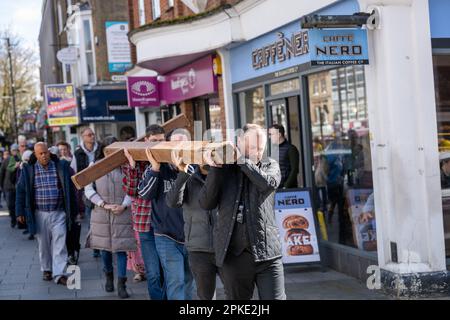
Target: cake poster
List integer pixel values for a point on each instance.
(295, 220)
(362, 215)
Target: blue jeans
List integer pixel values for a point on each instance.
(155, 281)
(177, 273)
(87, 212)
(121, 263)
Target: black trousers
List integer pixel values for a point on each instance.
(241, 273)
(205, 271)
(11, 202)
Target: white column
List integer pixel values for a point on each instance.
(402, 115)
(228, 92)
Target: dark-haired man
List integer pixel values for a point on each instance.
(288, 156)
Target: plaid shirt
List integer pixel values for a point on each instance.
(48, 194)
(140, 208)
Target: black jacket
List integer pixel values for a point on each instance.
(155, 186)
(82, 158)
(223, 190)
(198, 223)
(7, 178)
(25, 195)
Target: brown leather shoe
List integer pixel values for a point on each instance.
(47, 276)
(62, 281)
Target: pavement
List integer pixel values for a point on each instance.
(21, 277)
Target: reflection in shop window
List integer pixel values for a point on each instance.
(251, 104)
(342, 160)
(215, 119)
(441, 65)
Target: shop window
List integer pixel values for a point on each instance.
(251, 105)
(342, 159)
(441, 65)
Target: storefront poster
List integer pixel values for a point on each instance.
(362, 216)
(338, 47)
(119, 53)
(62, 109)
(143, 92)
(193, 80)
(295, 220)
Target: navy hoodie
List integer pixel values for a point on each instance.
(154, 186)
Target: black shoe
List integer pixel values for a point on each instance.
(109, 285)
(122, 288)
(25, 232)
(62, 281)
(47, 276)
(13, 225)
(72, 260)
(31, 237)
(21, 226)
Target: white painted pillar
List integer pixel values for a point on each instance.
(228, 92)
(402, 115)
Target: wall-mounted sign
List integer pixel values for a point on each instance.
(193, 80)
(338, 47)
(105, 105)
(67, 55)
(143, 92)
(281, 50)
(295, 220)
(119, 53)
(61, 103)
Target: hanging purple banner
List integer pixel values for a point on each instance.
(143, 92)
(193, 80)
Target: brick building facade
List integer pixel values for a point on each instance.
(142, 17)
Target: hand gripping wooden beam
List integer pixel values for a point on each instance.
(116, 159)
(192, 152)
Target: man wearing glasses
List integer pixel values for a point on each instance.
(86, 153)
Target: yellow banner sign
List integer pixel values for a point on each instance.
(63, 121)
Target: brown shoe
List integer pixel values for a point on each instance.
(47, 276)
(62, 280)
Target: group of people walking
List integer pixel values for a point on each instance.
(178, 226)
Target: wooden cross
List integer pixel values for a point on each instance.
(192, 152)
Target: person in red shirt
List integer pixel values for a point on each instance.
(141, 213)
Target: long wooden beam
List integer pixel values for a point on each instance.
(116, 159)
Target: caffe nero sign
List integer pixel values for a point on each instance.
(322, 47)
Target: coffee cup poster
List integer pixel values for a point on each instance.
(295, 220)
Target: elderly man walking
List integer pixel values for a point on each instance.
(46, 199)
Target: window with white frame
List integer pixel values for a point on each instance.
(156, 9)
(171, 3)
(141, 12)
(89, 50)
(60, 18)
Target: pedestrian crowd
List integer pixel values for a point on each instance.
(176, 226)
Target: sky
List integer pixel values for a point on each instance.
(24, 18)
